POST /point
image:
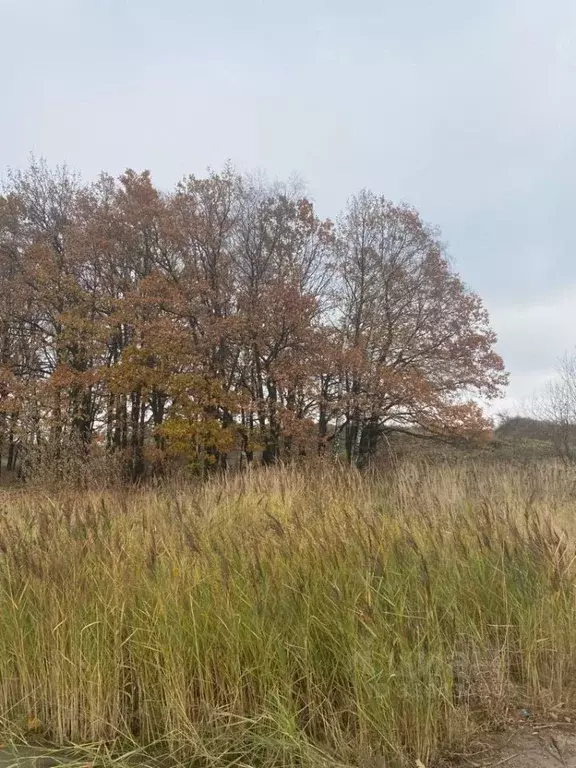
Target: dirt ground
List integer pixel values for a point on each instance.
(539, 746)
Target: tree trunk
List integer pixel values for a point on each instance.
(368, 441)
(271, 446)
(11, 448)
(137, 464)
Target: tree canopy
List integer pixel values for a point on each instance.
(226, 314)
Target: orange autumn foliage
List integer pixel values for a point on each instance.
(225, 314)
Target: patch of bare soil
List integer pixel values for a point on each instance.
(540, 746)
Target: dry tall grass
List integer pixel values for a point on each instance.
(290, 618)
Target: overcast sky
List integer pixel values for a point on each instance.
(464, 108)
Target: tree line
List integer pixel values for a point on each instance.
(225, 314)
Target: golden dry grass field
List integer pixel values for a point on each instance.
(290, 617)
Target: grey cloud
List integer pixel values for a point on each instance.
(463, 109)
